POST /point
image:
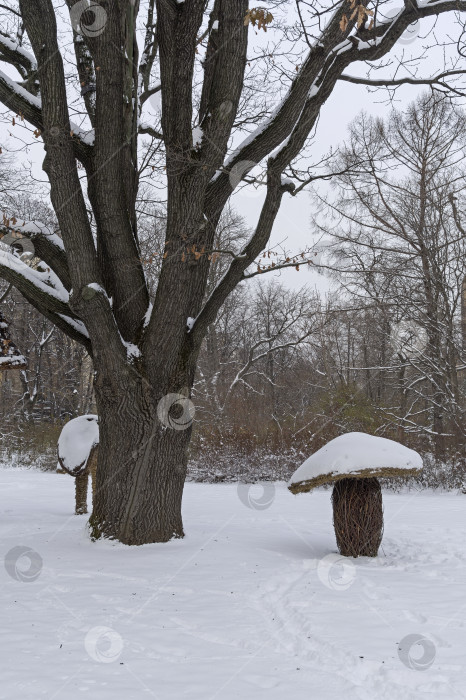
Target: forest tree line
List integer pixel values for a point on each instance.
(284, 370)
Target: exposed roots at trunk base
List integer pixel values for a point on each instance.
(358, 516)
(99, 530)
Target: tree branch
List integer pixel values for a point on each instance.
(386, 82)
(20, 101)
(11, 52)
(238, 266)
(146, 129)
(73, 328)
(323, 66)
(35, 283)
(47, 246)
(61, 168)
(112, 176)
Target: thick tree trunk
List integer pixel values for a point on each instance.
(358, 516)
(81, 483)
(141, 469)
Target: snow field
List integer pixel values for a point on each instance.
(253, 603)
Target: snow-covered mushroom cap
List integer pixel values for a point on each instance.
(76, 442)
(357, 456)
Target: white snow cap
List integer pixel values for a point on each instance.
(76, 441)
(353, 453)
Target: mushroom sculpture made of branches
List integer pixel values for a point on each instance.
(77, 455)
(10, 356)
(353, 463)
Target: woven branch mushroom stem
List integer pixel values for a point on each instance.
(82, 481)
(81, 484)
(358, 516)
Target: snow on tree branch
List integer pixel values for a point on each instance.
(15, 54)
(29, 106)
(41, 282)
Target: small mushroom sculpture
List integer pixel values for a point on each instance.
(77, 455)
(353, 463)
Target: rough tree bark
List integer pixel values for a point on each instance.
(97, 293)
(144, 475)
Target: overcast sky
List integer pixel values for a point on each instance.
(345, 103)
(293, 222)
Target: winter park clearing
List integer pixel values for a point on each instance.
(253, 603)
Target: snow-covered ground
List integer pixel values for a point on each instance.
(253, 603)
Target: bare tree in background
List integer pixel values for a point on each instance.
(222, 114)
(254, 339)
(397, 247)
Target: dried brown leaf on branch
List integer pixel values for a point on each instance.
(361, 13)
(259, 16)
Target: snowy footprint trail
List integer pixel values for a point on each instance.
(252, 603)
